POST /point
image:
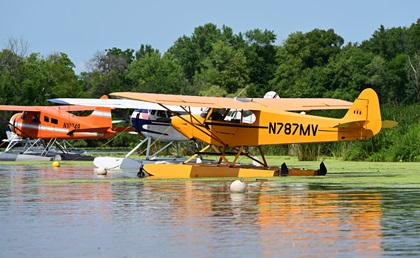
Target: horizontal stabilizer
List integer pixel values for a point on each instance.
(389, 124)
(352, 124)
(122, 129)
(118, 121)
(89, 130)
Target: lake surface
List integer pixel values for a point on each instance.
(72, 212)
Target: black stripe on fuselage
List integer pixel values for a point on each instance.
(236, 125)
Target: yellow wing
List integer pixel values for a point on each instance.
(304, 104)
(280, 104)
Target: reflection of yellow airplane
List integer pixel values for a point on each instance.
(233, 124)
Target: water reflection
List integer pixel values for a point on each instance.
(73, 212)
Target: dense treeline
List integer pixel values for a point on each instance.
(216, 62)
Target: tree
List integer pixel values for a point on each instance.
(347, 73)
(108, 72)
(153, 73)
(191, 51)
(145, 50)
(11, 61)
(301, 52)
(224, 67)
(260, 54)
(413, 39)
(387, 42)
(394, 89)
(19, 47)
(414, 76)
(10, 65)
(60, 77)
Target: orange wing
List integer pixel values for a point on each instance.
(18, 108)
(42, 108)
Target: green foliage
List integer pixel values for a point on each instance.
(397, 144)
(108, 72)
(225, 67)
(153, 73)
(191, 51)
(33, 79)
(281, 150)
(213, 91)
(301, 60)
(260, 53)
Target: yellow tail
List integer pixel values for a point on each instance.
(364, 113)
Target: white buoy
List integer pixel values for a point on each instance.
(237, 186)
(101, 171)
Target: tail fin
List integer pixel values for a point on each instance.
(364, 113)
(101, 116)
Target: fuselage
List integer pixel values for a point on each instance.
(56, 124)
(155, 124)
(265, 129)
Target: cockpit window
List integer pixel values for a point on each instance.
(205, 113)
(218, 114)
(230, 115)
(240, 116)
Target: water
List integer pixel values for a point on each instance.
(72, 212)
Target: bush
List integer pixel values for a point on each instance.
(407, 146)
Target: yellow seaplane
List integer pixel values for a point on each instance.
(231, 125)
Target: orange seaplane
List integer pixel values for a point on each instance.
(231, 126)
(52, 123)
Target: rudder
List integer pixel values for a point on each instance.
(364, 113)
(101, 116)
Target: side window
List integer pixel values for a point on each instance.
(218, 114)
(241, 116)
(248, 117)
(161, 113)
(54, 121)
(35, 119)
(46, 119)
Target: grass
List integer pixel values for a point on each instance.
(360, 174)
